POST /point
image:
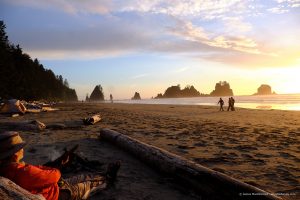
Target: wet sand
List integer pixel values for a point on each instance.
(259, 147)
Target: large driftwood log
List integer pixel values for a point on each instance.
(11, 191)
(208, 183)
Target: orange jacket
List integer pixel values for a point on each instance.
(36, 179)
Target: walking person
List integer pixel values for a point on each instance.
(229, 104)
(111, 98)
(232, 104)
(221, 102)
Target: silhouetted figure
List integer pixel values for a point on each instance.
(229, 104)
(221, 102)
(232, 104)
(111, 98)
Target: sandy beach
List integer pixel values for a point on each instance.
(259, 147)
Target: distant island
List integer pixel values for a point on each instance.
(264, 89)
(96, 95)
(177, 92)
(136, 96)
(222, 89)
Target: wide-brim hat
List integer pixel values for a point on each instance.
(10, 143)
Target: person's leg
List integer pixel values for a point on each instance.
(81, 186)
(64, 194)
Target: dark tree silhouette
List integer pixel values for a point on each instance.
(97, 94)
(24, 78)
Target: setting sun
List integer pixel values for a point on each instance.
(285, 80)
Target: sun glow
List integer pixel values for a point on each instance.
(286, 80)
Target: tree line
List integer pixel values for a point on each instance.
(27, 79)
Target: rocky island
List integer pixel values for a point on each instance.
(264, 89)
(222, 89)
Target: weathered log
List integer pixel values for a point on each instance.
(29, 125)
(92, 120)
(11, 191)
(208, 183)
(56, 126)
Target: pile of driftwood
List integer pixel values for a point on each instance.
(15, 107)
(35, 125)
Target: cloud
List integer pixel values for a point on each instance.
(71, 7)
(203, 9)
(296, 5)
(103, 39)
(139, 76)
(180, 70)
(188, 31)
(248, 60)
(216, 30)
(284, 6)
(236, 24)
(278, 10)
(288, 1)
(75, 55)
(241, 44)
(206, 9)
(241, 51)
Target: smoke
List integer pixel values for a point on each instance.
(53, 154)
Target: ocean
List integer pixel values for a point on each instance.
(265, 102)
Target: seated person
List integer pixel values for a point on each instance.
(45, 180)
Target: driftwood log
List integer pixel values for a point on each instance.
(29, 125)
(208, 183)
(92, 120)
(11, 191)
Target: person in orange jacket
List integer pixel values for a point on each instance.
(44, 180)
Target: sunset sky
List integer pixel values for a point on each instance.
(149, 45)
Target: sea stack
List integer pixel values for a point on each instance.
(222, 89)
(136, 96)
(264, 89)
